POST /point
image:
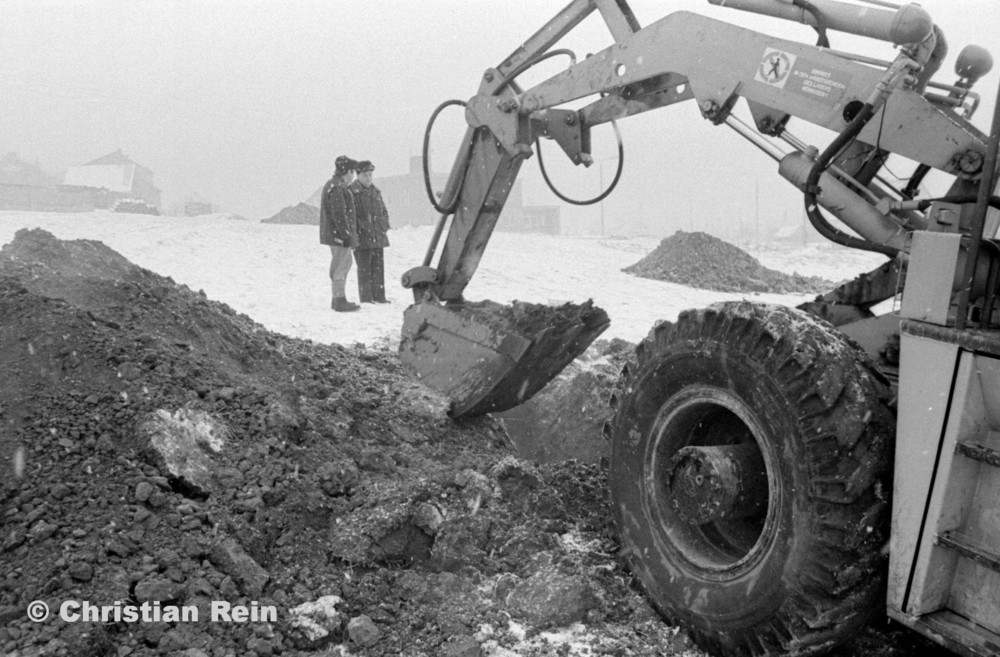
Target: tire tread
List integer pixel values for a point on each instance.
(842, 407)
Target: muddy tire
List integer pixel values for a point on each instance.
(790, 563)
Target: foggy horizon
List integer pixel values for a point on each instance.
(246, 105)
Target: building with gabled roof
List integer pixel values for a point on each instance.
(117, 173)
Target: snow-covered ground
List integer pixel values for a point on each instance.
(277, 274)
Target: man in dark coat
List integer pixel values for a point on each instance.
(373, 224)
(338, 228)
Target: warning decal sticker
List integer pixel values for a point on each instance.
(774, 67)
(785, 70)
(818, 82)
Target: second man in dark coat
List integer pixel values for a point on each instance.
(338, 229)
(373, 224)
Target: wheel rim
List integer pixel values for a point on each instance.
(707, 416)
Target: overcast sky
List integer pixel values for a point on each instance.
(246, 103)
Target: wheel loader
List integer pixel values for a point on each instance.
(778, 476)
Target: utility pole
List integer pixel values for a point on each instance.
(600, 169)
(756, 207)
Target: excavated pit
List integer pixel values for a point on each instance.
(313, 473)
(565, 420)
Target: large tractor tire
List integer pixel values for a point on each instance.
(749, 474)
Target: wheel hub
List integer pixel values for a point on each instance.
(717, 482)
(712, 479)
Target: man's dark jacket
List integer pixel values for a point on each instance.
(337, 218)
(373, 218)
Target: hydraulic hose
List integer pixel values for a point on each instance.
(448, 209)
(600, 197)
(427, 159)
(812, 190)
(992, 200)
(822, 40)
(914, 184)
(538, 146)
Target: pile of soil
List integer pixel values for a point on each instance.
(303, 213)
(157, 447)
(703, 261)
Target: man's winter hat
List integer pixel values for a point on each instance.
(345, 163)
(365, 166)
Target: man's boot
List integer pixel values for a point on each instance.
(342, 305)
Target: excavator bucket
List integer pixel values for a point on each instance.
(485, 356)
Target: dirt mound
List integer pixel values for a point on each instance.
(160, 453)
(169, 452)
(703, 261)
(303, 213)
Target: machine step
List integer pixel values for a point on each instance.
(979, 452)
(958, 634)
(970, 550)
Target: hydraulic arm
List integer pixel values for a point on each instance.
(875, 109)
(670, 61)
(751, 445)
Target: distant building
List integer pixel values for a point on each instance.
(15, 171)
(537, 219)
(115, 176)
(25, 186)
(197, 208)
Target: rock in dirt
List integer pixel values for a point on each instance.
(82, 572)
(703, 261)
(462, 646)
(230, 558)
(550, 598)
(190, 652)
(363, 631)
(157, 589)
(316, 623)
(182, 443)
(143, 491)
